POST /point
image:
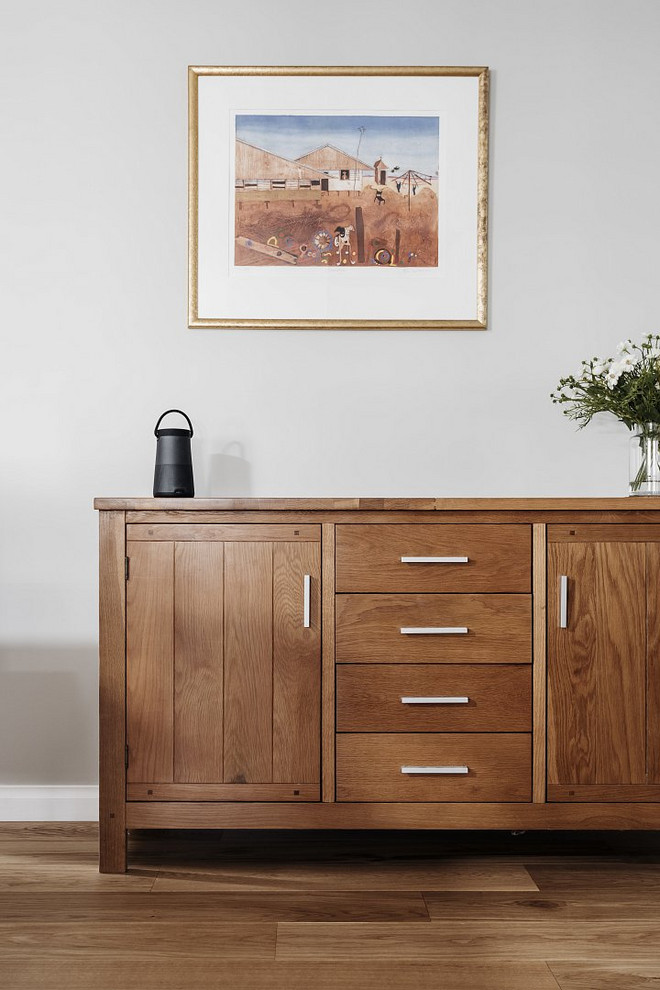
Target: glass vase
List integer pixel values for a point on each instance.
(645, 459)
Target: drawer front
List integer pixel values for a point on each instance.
(434, 698)
(369, 628)
(369, 558)
(369, 767)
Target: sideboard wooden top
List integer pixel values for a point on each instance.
(627, 503)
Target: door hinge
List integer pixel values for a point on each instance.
(126, 757)
(126, 567)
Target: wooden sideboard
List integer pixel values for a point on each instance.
(378, 663)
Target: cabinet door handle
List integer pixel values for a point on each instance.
(434, 560)
(436, 701)
(434, 630)
(429, 770)
(307, 600)
(563, 601)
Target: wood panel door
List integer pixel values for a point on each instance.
(223, 665)
(603, 646)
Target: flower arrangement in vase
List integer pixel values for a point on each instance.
(627, 387)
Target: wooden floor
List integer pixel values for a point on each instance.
(313, 911)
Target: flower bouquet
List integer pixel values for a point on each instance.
(627, 387)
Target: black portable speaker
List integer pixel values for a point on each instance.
(173, 477)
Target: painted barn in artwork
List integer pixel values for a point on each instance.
(344, 171)
(380, 172)
(260, 170)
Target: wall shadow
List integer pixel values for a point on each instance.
(230, 474)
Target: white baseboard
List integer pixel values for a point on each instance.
(49, 803)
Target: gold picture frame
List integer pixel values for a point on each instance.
(214, 284)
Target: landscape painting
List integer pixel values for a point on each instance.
(336, 190)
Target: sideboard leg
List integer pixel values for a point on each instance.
(112, 844)
(112, 693)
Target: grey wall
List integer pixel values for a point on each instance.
(94, 336)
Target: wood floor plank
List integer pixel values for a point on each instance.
(418, 875)
(140, 940)
(590, 976)
(97, 906)
(35, 973)
(597, 904)
(622, 876)
(54, 876)
(494, 940)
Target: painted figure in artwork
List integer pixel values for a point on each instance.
(343, 241)
(317, 190)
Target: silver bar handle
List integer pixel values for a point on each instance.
(435, 770)
(563, 601)
(434, 630)
(434, 560)
(307, 600)
(464, 700)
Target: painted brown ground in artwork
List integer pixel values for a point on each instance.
(304, 227)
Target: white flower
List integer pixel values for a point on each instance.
(654, 353)
(628, 361)
(624, 346)
(599, 369)
(614, 373)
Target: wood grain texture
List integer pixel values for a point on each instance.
(142, 940)
(198, 665)
(630, 877)
(248, 649)
(603, 533)
(539, 618)
(653, 661)
(328, 663)
(402, 875)
(603, 792)
(105, 973)
(369, 558)
(210, 905)
(592, 975)
(393, 815)
(590, 903)
(233, 532)
(597, 665)
(296, 664)
(369, 698)
(494, 940)
(631, 513)
(150, 662)
(624, 504)
(369, 766)
(200, 911)
(368, 628)
(112, 693)
(223, 792)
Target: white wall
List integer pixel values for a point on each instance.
(94, 338)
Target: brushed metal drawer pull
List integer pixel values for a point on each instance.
(434, 560)
(307, 600)
(436, 701)
(563, 602)
(438, 770)
(433, 630)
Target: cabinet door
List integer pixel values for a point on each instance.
(223, 663)
(601, 739)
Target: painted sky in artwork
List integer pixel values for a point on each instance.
(409, 142)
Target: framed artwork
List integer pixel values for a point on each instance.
(338, 197)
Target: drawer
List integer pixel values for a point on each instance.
(434, 698)
(499, 768)
(369, 558)
(369, 628)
